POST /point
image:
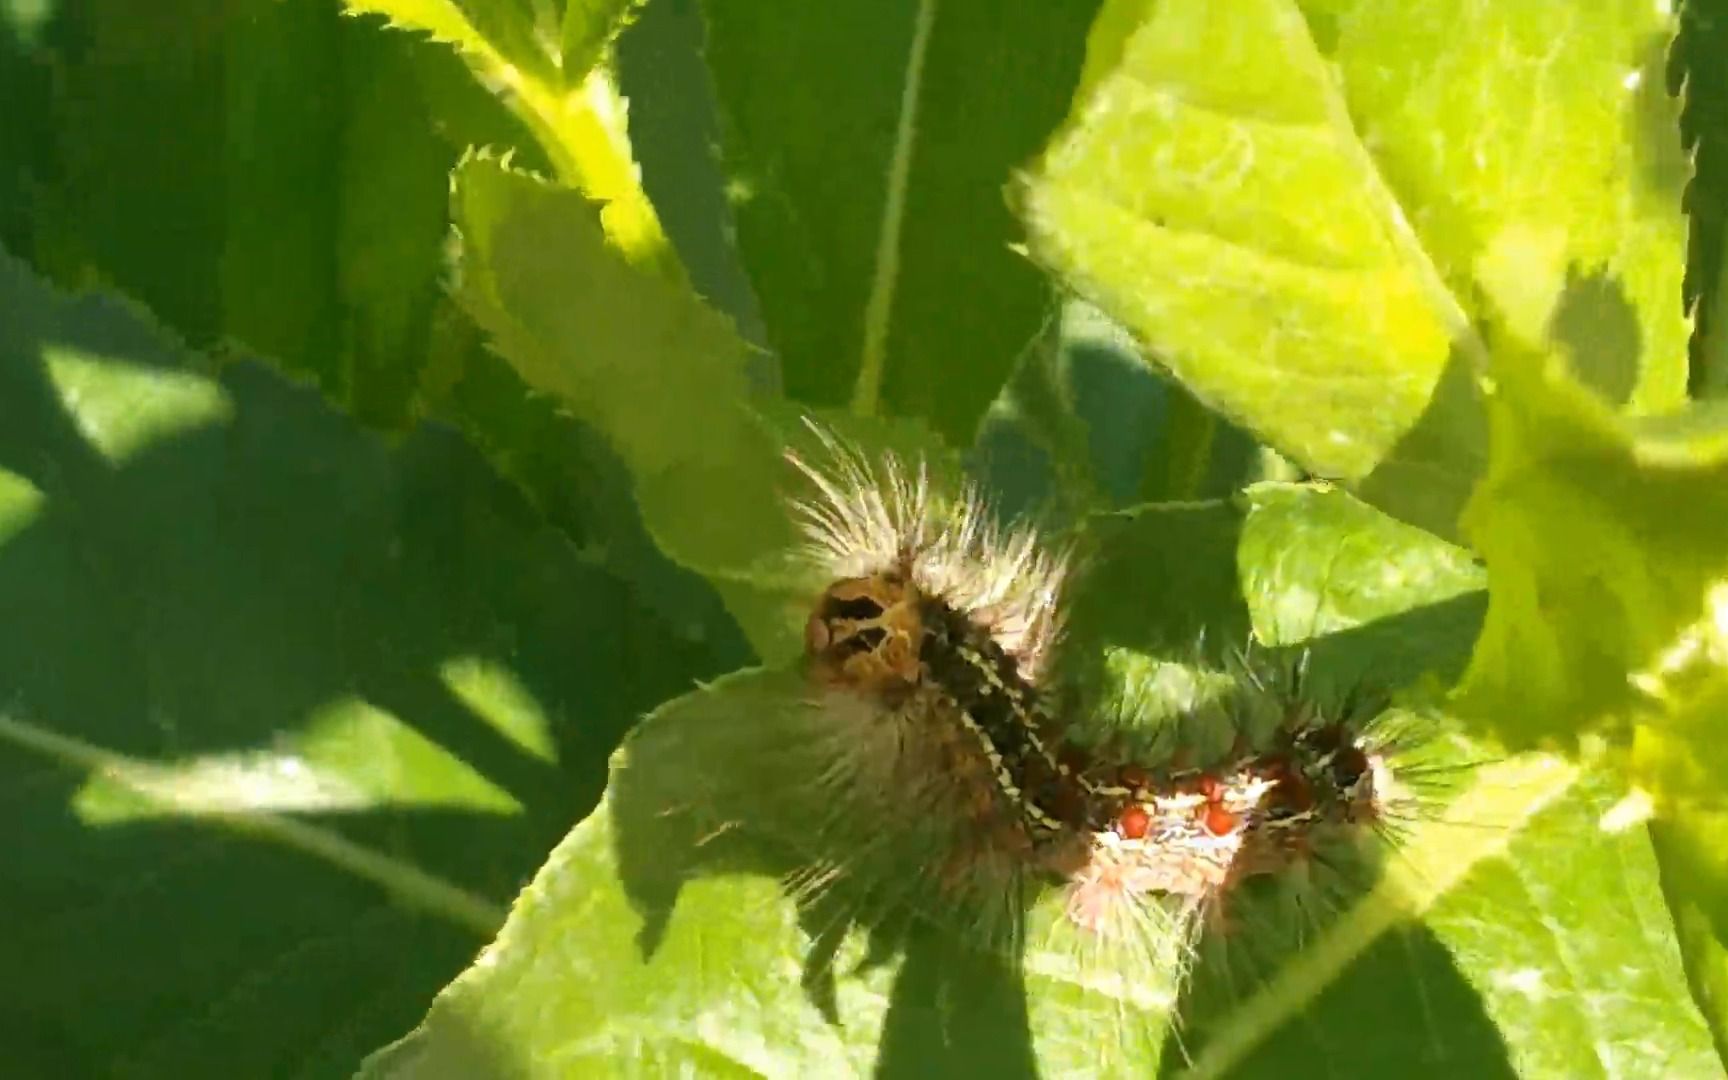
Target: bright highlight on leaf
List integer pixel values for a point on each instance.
(20, 502)
(561, 92)
(1295, 209)
(494, 693)
(229, 784)
(121, 789)
(123, 407)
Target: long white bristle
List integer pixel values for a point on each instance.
(866, 518)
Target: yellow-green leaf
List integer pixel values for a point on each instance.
(1310, 214)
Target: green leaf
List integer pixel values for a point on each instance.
(1066, 434)
(658, 934)
(590, 27)
(1677, 761)
(1606, 542)
(1607, 549)
(297, 205)
(1703, 85)
(143, 213)
(644, 361)
(1158, 578)
(391, 208)
(444, 20)
(27, 82)
(311, 221)
(660, 930)
(567, 987)
(279, 225)
(288, 712)
(661, 376)
(1541, 950)
(1695, 900)
(1317, 562)
(1310, 215)
(1283, 564)
(511, 42)
(866, 147)
(575, 113)
(1083, 426)
(1710, 346)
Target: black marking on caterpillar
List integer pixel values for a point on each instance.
(1302, 793)
(937, 599)
(882, 637)
(943, 618)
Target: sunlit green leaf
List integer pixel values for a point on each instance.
(1606, 543)
(1301, 211)
(589, 27)
(1677, 763)
(643, 360)
(1318, 562)
(575, 113)
(661, 376)
(664, 912)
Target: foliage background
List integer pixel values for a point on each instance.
(329, 595)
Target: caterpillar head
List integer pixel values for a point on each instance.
(865, 633)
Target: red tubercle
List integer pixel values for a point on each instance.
(1215, 817)
(1218, 820)
(1134, 822)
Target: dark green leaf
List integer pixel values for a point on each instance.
(1696, 71)
(286, 713)
(867, 146)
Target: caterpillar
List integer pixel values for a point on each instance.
(949, 626)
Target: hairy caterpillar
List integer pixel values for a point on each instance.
(947, 623)
(947, 626)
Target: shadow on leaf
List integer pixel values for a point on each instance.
(729, 781)
(218, 573)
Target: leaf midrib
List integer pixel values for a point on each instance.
(884, 277)
(1513, 792)
(405, 881)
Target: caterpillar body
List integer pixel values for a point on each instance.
(947, 625)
